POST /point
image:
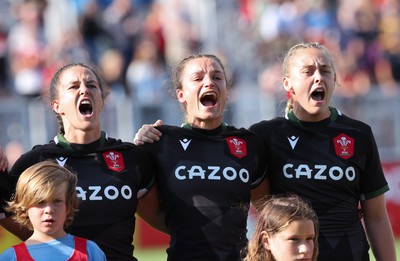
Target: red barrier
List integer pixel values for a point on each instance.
(148, 237)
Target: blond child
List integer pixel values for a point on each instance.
(45, 201)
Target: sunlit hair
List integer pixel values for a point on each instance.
(276, 215)
(287, 62)
(53, 92)
(38, 183)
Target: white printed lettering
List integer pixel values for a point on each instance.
(321, 169)
(318, 172)
(81, 193)
(95, 190)
(303, 170)
(109, 192)
(214, 171)
(196, 171)
(211, 173)
(177, 175)
(112, 195)
(126, 192)
(226, 173)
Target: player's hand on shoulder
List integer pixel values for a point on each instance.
(148, 133)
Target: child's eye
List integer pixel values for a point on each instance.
(58, 201)
(41, 203)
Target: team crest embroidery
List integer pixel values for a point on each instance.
(237, 147)
(344, 146)
(114, 160)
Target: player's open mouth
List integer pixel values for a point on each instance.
(209, 99)
(318, 95)
(85, 107)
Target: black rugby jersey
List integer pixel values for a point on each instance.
(111, 173)
(205, 178)
(334, 164)
(6, 189)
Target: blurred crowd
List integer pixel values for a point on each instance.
(133, 42)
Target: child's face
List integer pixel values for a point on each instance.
(296, 242)
(48, 217)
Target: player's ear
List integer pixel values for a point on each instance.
(180, 96)
(265, 240)
(286, 83)
(56, 107)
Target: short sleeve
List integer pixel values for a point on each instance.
(94, 252)
(147, 176)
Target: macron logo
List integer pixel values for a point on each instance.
(61, 161)
(293, 141)
(185, 143)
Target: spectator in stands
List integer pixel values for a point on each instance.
(27, 47)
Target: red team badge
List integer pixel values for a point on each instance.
(237, 147)
(344, 146)
(114, 160)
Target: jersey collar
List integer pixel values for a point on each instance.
(335, 113)
(215, 131)
(61, 141)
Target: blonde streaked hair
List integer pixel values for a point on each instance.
(38, 183)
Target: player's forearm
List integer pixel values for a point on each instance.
(381, 239)
(379, 230)
(150, 210)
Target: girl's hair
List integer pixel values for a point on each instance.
(287, 61)
(53, 92)
(40, 182)
(276, 215)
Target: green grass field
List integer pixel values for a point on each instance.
(7, 240)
